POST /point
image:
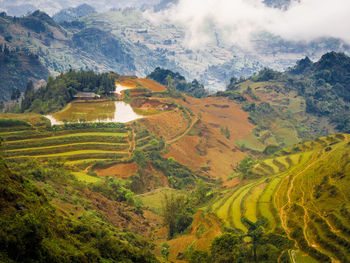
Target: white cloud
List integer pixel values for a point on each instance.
(236, 20)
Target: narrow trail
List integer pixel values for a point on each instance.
(196, 119)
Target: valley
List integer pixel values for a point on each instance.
(122, 142)
(183, 147)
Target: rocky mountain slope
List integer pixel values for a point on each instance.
(133, 42)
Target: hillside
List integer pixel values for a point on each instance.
(17, 68)
(75, 45)
(132, 42)
(44, 221)
(180, 171)
(306, 101)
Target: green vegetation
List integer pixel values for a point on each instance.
(231, 247)
(305, 102)
(178, 175)
(178, 209)
(175, 81)
(291, 197)
(324, 85)
(33, 230)
(58, 92)
(68, 142)
(178, 213)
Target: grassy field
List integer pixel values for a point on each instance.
(86, 178)
(153, 200)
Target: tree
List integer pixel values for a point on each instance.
(177, 213)
(226, 248)
(169, 81)
(16, 94)
(28, 96)
(255, 232)
(140, 158)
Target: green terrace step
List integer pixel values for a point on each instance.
(112, 134)
(78, 155)
(67, 145)
(66, 148)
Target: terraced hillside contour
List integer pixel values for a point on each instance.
(71, 145)
(302, 195)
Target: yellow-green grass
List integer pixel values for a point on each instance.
(251, 142)
(14, 132)
(251, 202)
(294, 158)
(86, 161)
(283, 161)
(223, 211)
(265, 202)
(65, 154)
(113, 134)
(148, 112)
(220, 200)
(67, 145)
(85, 177)
(236, 210)
(154, 201)
(287, 132)
(301, 257)
(269, 162)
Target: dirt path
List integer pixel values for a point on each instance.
(196, 119)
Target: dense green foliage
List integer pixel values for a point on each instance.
(325, 85)
(232, 247)
(58, 92)
(178, 175)
(177, 81)
(178, 213)
(6, 123)
(245, 167)
(178, 210)
(32, 230)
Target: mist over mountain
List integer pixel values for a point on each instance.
(188, 37)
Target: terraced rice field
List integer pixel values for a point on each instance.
(75, 146)
(297, 196)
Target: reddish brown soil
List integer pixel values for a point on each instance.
(131, 81)
(207, 148)
(122, 170)
(128, 81)
(149, 104)
(152, 85)
(167, 125)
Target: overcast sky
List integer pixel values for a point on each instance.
(237, 19)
